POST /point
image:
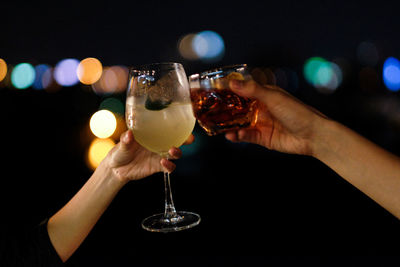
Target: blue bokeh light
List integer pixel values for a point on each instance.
(40, 71)
(208, 45)
(391, 74)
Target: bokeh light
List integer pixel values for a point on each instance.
(23, 75)
(6, 82)
(40, 71)
(48, 81)
(114, 79)
(114, 105)
(323, 75)
(185, 47)
(98, 151)
(121, 81)
(311, 68)
(65, 72)
(209, 46)
(3, 69)
(103, 123)
(89, 70)
(259, 76)
(391, 74)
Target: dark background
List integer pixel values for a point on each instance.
(258, 207)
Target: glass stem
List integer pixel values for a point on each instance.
(170, 214)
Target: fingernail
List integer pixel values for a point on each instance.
(236, 84)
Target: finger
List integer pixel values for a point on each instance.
(249, 89)
(232, 136)
(248, 135)
(189, 140)
(175, 153)
(168, 166)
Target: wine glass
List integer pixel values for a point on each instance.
(160, 115)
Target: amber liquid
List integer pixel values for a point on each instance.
(221, 110)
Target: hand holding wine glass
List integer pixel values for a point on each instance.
(130, 161)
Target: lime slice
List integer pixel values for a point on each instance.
(156, 104)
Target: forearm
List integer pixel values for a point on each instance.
(368, 167)
(70, 225)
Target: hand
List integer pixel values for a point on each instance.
(284, 123)
(128, 160)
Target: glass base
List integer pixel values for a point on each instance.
(160, 223)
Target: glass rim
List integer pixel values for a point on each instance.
(152, 66)
(216, 71)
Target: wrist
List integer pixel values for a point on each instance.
(322, 143)
(108, 172)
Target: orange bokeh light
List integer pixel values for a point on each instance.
(3, 69)
(89, 70)
(98, 150)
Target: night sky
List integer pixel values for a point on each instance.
(134, 32)
(257, 206)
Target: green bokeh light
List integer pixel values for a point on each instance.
(114, 105)
(23, 75)
(311, 69)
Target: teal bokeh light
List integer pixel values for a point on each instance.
(23, 75)
(311, 69)
(322, 74)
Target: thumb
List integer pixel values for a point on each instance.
(126, 141)
(122, 153)
(250, 89)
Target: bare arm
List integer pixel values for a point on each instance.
(371, 169)
(287, 125)
(126, 161)
(71, 224)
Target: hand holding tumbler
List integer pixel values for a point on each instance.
(215, 106)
